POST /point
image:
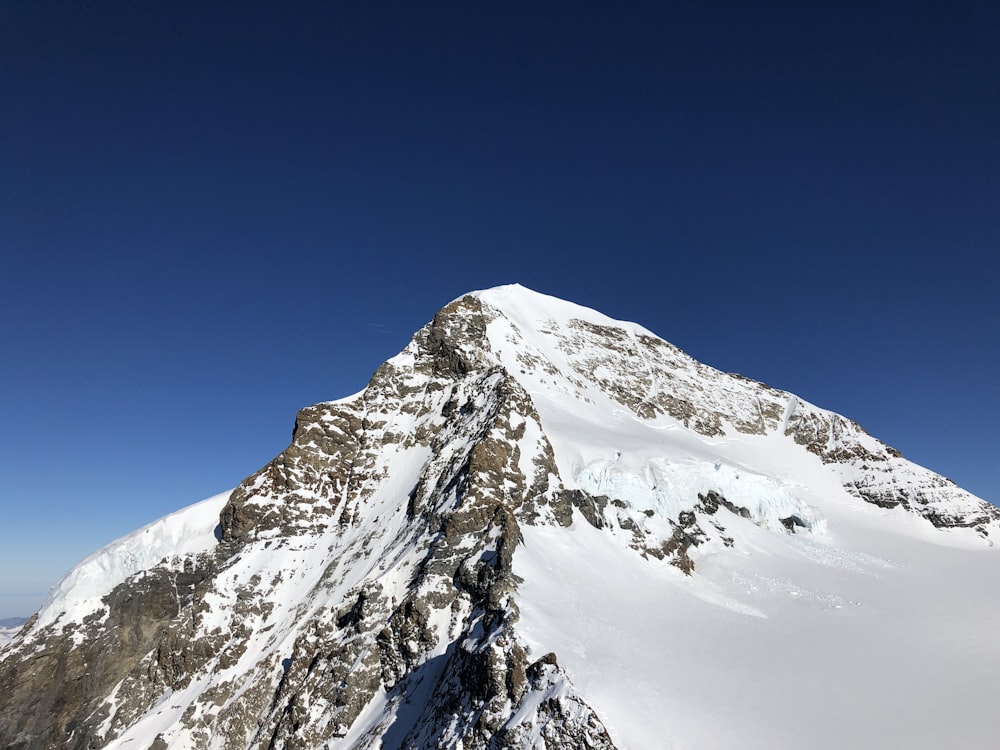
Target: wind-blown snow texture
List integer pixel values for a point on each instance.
(536, 527)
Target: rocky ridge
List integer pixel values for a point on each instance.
(358, 590)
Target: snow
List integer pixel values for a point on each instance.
(668, 488)
(7, 635)
(78, 593)
(871, 653)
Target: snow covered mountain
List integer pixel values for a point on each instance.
(537, 527)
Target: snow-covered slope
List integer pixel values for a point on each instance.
(536, 527)
(9, 628)
(190, 531)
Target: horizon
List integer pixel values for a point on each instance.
(212, 217)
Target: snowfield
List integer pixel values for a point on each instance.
(865, 638)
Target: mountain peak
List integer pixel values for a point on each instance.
(444, 559)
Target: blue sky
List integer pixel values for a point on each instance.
(213, 216)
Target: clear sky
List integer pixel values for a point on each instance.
(212, 214)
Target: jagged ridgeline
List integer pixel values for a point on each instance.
(363, 590)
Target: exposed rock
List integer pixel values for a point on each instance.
(793, 522)
(711, 501)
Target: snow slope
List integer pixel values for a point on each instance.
(188, 531)
(878, 633)
(9, 630)
(790, 645)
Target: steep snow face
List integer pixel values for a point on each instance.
(189, 531)
(669, 488)
(536, 527)
(7, 633)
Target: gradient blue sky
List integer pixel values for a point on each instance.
(212, 214)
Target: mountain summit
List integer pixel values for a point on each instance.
(536, 527)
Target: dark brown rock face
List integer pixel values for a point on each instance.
(57, 692)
